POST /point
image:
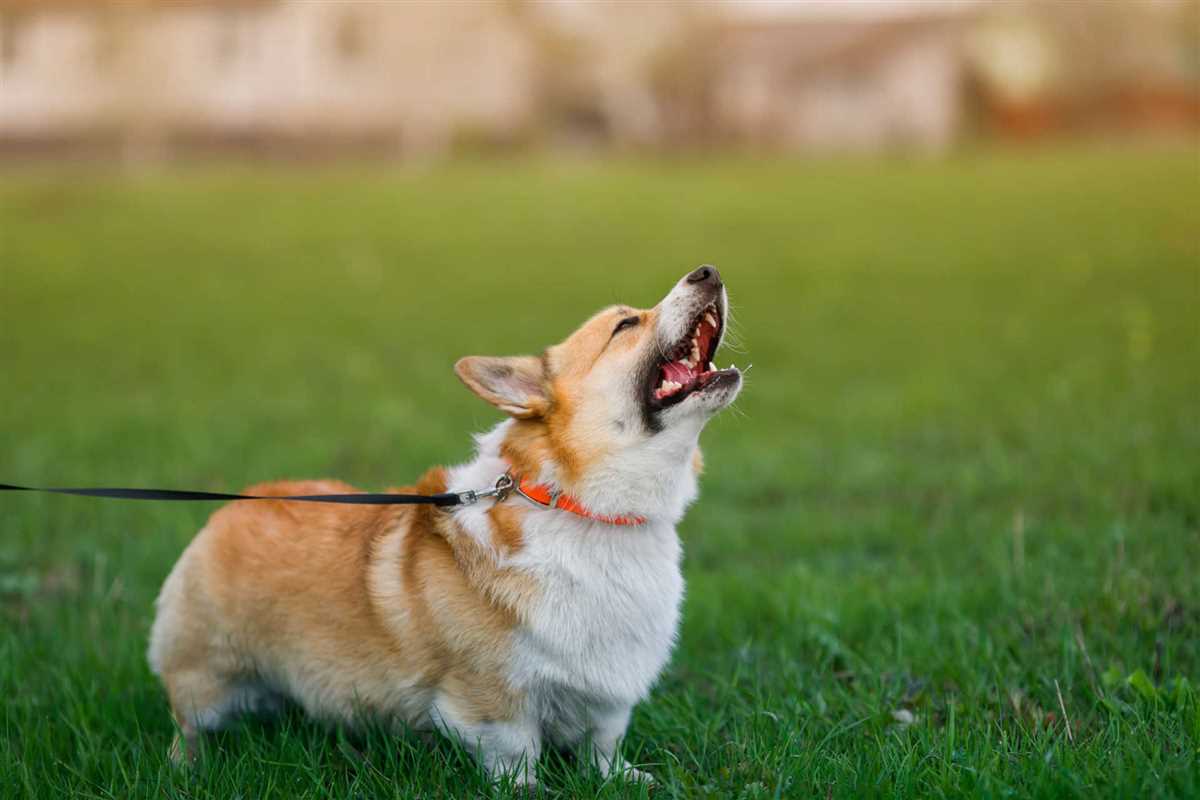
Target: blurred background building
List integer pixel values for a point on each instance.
(152, 80)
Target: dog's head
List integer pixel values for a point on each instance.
(629, 388)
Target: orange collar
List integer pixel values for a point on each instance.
(542, 495)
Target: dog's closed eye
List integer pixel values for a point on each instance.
(628, 322)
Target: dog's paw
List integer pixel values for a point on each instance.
(526, 786)
(184, 751)
(633, 775)
(522, 783)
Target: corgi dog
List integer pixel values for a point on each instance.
(537, 617)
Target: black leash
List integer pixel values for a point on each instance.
(442, 499)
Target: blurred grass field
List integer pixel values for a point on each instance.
(963, 474)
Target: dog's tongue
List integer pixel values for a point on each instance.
(677, 371)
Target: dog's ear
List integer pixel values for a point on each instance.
(516, 385)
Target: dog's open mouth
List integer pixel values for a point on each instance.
(688, 367)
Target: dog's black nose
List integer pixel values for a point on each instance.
(705, 274)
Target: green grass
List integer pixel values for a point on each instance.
(964, 473)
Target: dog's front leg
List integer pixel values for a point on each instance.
(604, 744)
(503, 747)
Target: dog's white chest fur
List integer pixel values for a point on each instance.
(604, 623)
(608, 600)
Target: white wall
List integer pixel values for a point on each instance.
(421, 68)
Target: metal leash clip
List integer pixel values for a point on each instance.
(504, 485)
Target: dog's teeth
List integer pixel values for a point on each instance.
(712, 367)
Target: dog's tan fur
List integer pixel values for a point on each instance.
(345, 603)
